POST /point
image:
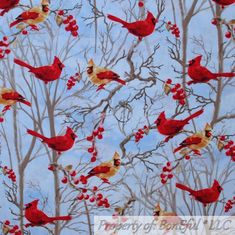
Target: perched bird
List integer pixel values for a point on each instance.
(140, 28)
(106, 169)
(196, 142)
(57, 143)
(7, 5)
(165, 219)
(205, 196)
(37, 217)
(47, 73)
(9, 97)
(101, 76)
(224, 2)
(200, 74)
(34, 16)
(172, 127)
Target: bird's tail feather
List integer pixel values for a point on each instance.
(25, 102)
(22, 63)
(228, 75)
(34, 133)
(194, 115)
(120, 81)
(67, 217)
(14, 23)
(114, 18)
(183, 187)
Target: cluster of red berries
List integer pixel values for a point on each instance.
(5, 109)
(9, 172)
(140, 3)
(94, 197)
(173, 28)
(4, 47)
(179, 93)
(12, 229)
(98, 133)
(229, 204)
(70, 22)
(72, 81)
(166, 173)
(140, 133)
(216, 21)
(228, 146)
(72, 173)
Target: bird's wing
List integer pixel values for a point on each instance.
(191, 140)
(28, 15)
(204, 72)
(11, 95)
(38, 217)
(101, 169)
(107, 75)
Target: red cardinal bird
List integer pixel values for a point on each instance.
(46, 73)
(7, 5)
(200, 74)
(57, 143)
(10, 97)
(141, 28)
(224, 2)
(205, 196)
(37, 217)
(171, 127)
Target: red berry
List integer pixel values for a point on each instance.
(100, 137)
(66, 21)
(76, 181)
(73, 173)
(70, 17)
(51, 168)
(61, 12)
(187, 157)
(228, 34)
(95, 188)
(92, 199)
(80, 196)
(64, 180)
(93, 159)
(90, 150)
(169, 81)
(95, 133)
(182, 102)
(89, 138)
(100, 129)
(214, 21)
(140, 4)
(170, 176)
(7, 222)
(163, 181)
(99, 196)
(75, 33)
(24, 32)
(5, 38)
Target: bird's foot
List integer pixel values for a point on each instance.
(197, 152)
(59, 153)
(34, 27)
(29, 225)
(190, 83)
(100, 87)
(105, 181)
(168, 138)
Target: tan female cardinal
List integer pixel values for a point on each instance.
(140, 28)
(101, 76)
(196, 142)
(106, 169)
(170, 127)
(200, 74)
(9, 97)
(34, 16)
(37, 217)
(205, 196)
(58, 143)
